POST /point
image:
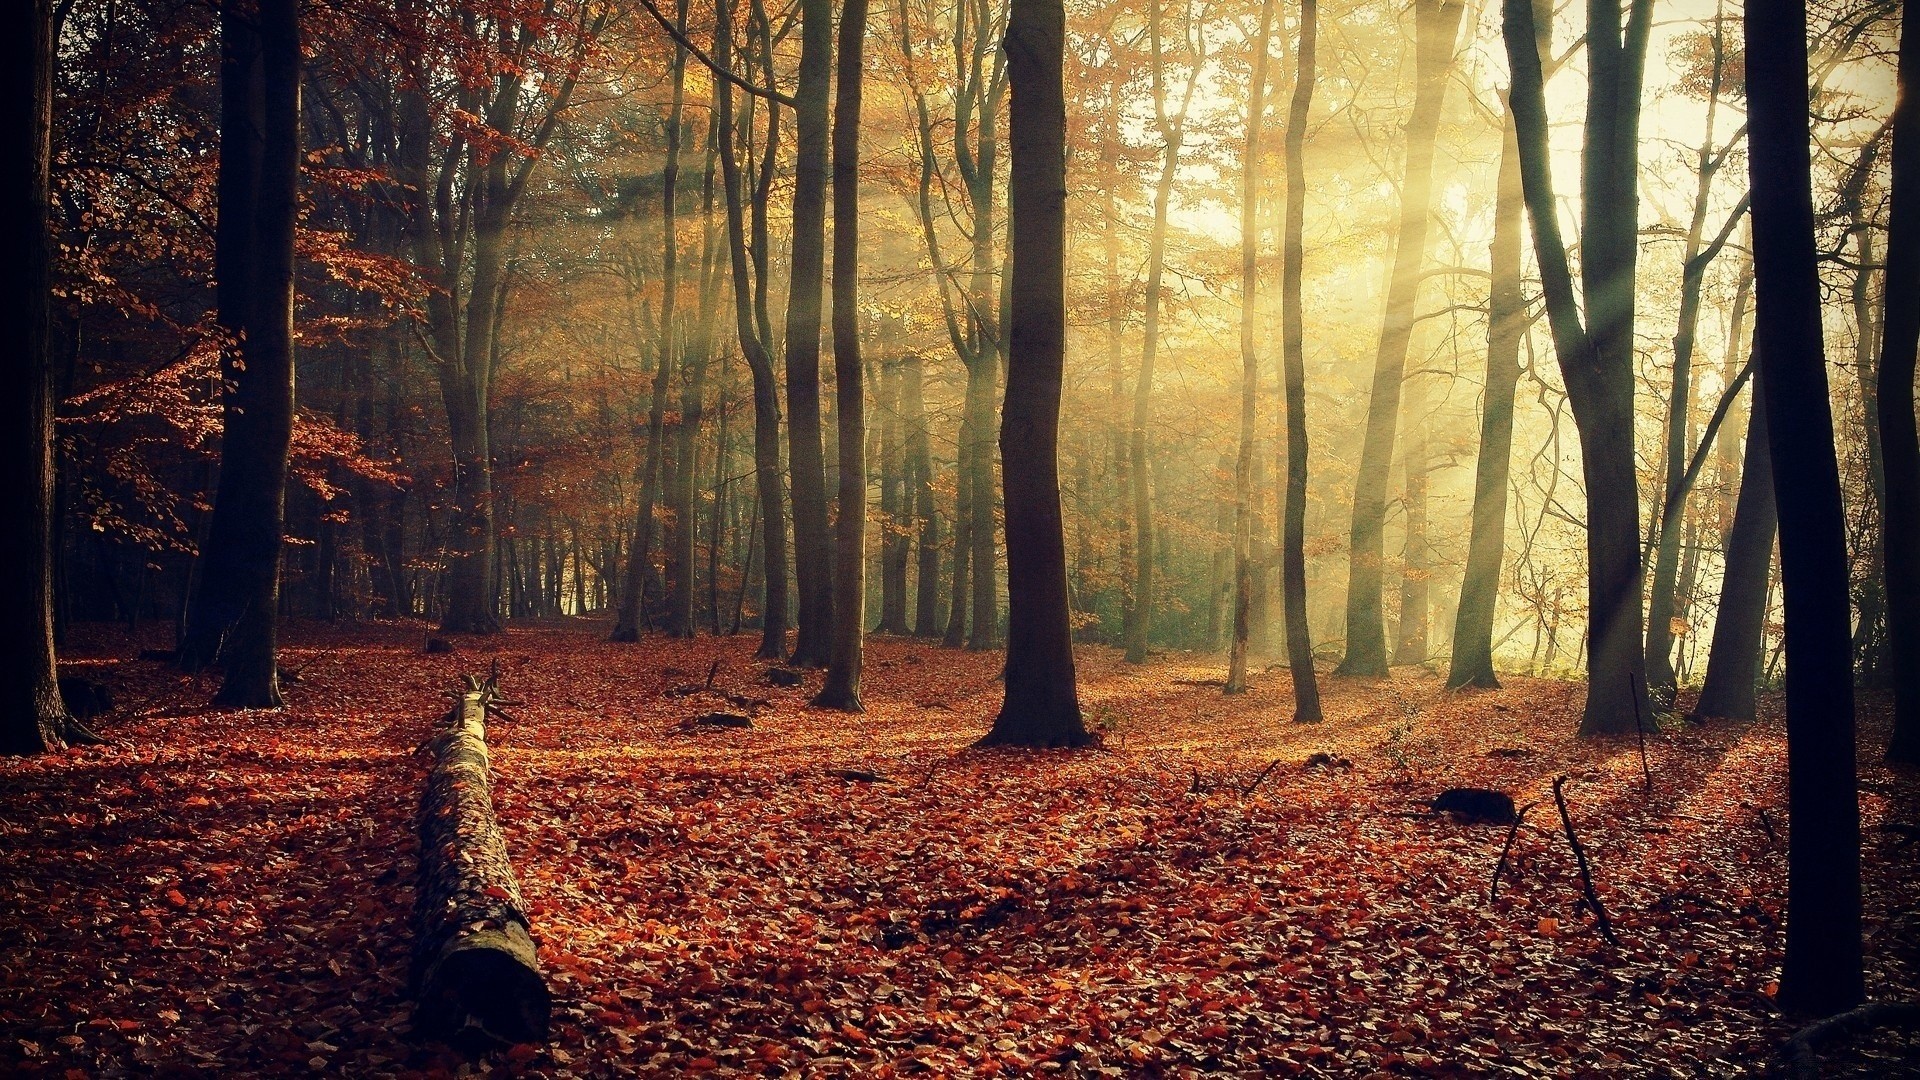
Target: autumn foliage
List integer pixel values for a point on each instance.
(823, 894)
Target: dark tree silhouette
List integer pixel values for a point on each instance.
(34, 718)
(842, 689)
(1739, 626)
(1823, 969)
(1293, 529)
(1900, 531)
(806, 458)
(1042, 706)
(235, 610)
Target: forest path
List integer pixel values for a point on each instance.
(228, 893)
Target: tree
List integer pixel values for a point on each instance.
(1436, 25)
(1900, 528)
(842, 689)
(806, 462)
(754, 328)
(1739, 626)
(1472, 660)
(1293, 558)
(639, 554)
(1595, 354)
(1249, 358)
(1042, 704)
(235, 610)
(1823, 970)
(35, 718)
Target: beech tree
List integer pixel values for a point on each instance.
(234, 616)
(1823, 973)
(1293, 558)
(1042, 704)
(1900, 529)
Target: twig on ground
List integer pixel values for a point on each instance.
(1493, 890)
(1248, 790)
(1580, 859)
(1804, 1044)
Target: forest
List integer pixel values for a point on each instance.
(960, 537)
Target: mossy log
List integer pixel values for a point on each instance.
(474, 968)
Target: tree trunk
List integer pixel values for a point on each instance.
(755, 347)
(1243, 511)
(1293, 558)
(1598, 367)
(926, 583)
(1472, 661)
(1823, 970)
(1900, 446)
(956, 632)
(812, 547)
(896, 497)
(1411, 645)
(35, 720)
(1436, 25)
(236, 609)
(1739, 626)
(1042, 705)
(474, 962)
(842, 688)
(698, 354)
(983, 384)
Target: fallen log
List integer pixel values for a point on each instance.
(474, 968)
(1803, 1048)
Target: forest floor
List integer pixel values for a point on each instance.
(228, 893)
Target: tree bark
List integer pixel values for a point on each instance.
(1293, 558)
(236, 607)
(926, 583)
(1597, 366)
(896, 498)
(1436, 25)
(1042, 706)
(1472, 660)
(755, 347)
(1243, 513)
(812, 547)
(842, 688)
(474, 962)
(1739, 626)
(35, 720)
(1900, 446)
(1823, 970)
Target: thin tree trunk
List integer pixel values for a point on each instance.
(1739, 625)
(842, 688)
(1823, 972)
(748, 306)
(1243, 511)
(1472, 661)
(1436, 25)
(896, 497)
(1410, 644)
(926, 604)
(1293, 558)
(1042, 706)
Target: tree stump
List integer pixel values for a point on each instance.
(474, 968)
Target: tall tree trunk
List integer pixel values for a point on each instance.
(1243, 511)
(926, 601)
(1410, 644)
(1823, 970)
(842, 688)
(236, 613)
(1436, 26)
(1900, 446)
(1597, 366)
(35, 720)
(750, 327)
(1293, 537)
(1172, 130)
(1042, 705)
(1472, 661)
(1739, 625)
(896, 498)
(697, 355)
(956, 631)
(812, 546)
(983, 385)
